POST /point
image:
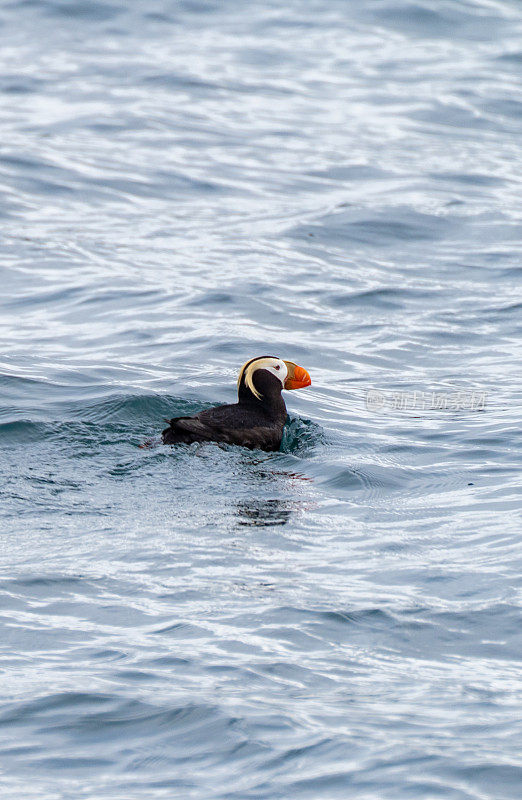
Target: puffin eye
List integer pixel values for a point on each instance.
(277, 366)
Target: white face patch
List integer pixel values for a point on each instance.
(277, 368)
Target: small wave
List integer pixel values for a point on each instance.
(300, 436)
(95, 11)
(142, 408)
(22, 431)
(386, 297)
(379, 228)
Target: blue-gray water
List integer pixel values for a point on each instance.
(185, 185)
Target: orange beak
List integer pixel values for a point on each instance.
(297, 377)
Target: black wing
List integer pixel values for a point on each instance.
(224, 424)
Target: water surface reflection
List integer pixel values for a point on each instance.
(263, 513)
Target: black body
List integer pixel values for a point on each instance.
(253, 423)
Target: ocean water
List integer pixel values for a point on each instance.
(183, 186)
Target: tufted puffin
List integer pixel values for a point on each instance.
(256, 420)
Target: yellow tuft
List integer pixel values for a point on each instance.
(247, 372)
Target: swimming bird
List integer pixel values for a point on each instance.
(256, 420)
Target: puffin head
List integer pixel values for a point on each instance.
(256, 377)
